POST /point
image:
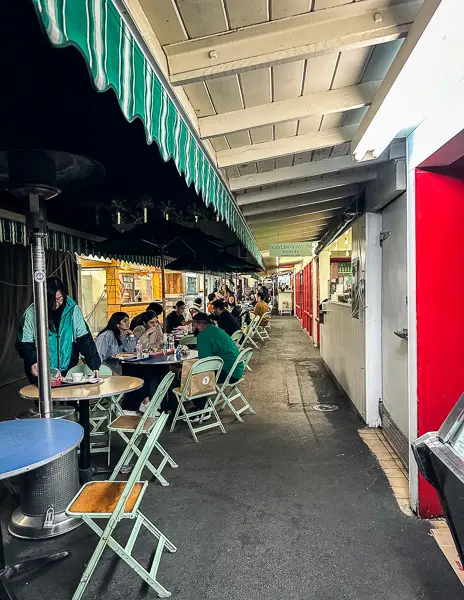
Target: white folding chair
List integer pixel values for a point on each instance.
(239, 337)
(229, 391)
(214, 364)
(118, 500)
(260, 330)
(250, 332)
(125, 424)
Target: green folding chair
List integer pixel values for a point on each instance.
(239, 337)
(115, 501)
(214, 364)
(250, 332)
(260, 330)
(188, 340)
(100, 413)
(229, 391)
(125, 425)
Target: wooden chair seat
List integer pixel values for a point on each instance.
(130, 422)
(102, 496)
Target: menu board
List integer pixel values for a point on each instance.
(143, 288)
(127, 287)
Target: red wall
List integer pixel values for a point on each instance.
(439, 295)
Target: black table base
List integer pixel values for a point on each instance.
(7, 572)
(86, 472)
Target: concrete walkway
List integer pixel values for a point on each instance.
(290, 505)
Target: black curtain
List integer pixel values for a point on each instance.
(16, 294)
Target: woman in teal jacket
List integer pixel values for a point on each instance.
(68, 334)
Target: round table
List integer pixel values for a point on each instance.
(170, 359)
(52, 439)
(113, 386)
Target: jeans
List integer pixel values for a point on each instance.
(200, 403)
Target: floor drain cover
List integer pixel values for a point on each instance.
(325, 407)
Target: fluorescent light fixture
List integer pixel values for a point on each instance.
(426, 70)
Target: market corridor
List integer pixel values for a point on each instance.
(290, 505)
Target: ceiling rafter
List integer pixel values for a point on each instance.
(313, 185)
(313, 169)
(354, 25)
(286, 146)
(318, 103)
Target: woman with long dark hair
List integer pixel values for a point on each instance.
(116, 337)
(68, 333)
(148, 331)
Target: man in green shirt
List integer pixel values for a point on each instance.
(213, 341)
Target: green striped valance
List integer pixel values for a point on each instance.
(14, 232)
(116, 61)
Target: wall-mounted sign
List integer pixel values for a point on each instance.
(290, 249)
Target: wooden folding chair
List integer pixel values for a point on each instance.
(214, 364)
(118, 500)
(124, 425)
(229, 391)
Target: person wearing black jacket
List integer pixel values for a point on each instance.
(223, 318)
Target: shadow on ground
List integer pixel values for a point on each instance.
(290, 505)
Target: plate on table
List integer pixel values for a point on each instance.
(161, 353)
(85, 380)
(131, 356)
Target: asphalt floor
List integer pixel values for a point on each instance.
(290, 505)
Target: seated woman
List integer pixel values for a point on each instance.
(155, 307)
(149, 331)
(117, 337)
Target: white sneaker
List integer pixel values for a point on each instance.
(196, 419)
(131, 413)
(143, 407)
(207, 417)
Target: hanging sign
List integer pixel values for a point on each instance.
(290, 249)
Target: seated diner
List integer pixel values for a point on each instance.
(224, 318)
(261, 308)
(149, 332)
(155, 307)
(175, 318)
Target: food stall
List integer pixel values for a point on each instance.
(107, 286)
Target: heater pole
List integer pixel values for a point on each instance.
(38, 235)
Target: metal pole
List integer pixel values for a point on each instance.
(163, 290)
(204, 290)
(39, 278)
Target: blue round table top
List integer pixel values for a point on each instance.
(31, 443)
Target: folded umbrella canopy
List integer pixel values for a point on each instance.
(158, 238)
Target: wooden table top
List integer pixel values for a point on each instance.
(110, 386)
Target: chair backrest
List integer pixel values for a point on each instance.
(212, 363)
(188, 340)
(237, 335)
(104, 370)
(243, 357)
(262, 317)
(159, 395)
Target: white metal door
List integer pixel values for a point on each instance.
(394, 314)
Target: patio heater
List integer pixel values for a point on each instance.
(36, 176)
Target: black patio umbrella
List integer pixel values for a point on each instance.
(157, 238)
(215, 261)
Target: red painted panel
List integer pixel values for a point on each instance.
(440, 323)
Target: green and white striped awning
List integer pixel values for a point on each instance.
(116, 61)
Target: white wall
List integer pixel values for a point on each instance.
(343, 350)
(351, 347)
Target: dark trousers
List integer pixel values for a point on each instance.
(200, 403)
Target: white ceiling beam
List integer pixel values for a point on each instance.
(300, 220)
(313, 169)
(305, 187)
(319, 211)
(264, 243)
(273, 231)
(275, 227)
(320, 103)
(303, 200)
(285, 146)
(354, 25)
(435, 40)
